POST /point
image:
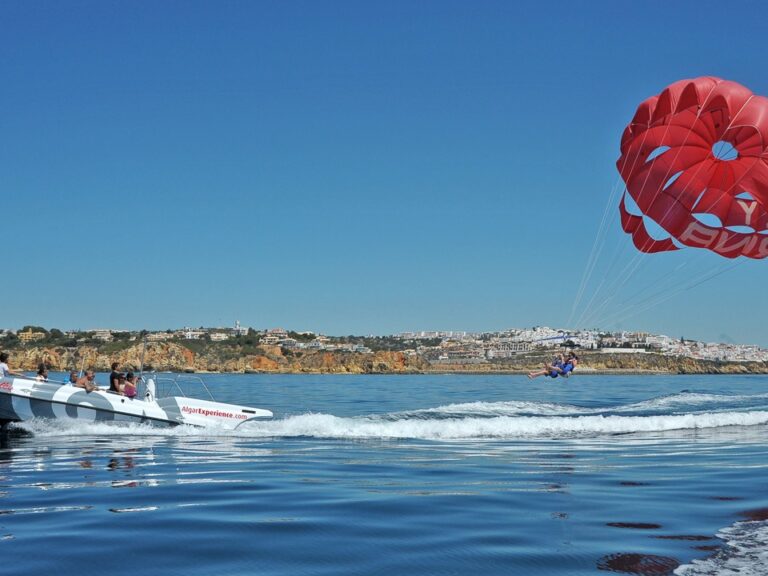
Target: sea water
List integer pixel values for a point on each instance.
(438, 474)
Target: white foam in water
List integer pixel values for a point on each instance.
(476, 420)
(745, 553)
(509, 408)
(62, 428)
(696, 401)
(683, 401)
(502, 427)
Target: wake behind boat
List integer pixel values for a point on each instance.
(24, 398)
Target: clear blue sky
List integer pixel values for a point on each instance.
(341, 167)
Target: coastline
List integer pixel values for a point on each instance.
(173, 357)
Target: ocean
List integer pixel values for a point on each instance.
(401, 475)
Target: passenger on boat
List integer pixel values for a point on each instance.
(87, 381)
(72, 378)
(114, 378)
(129, 388)
(42, 373)
(4, 370)
(120, 384)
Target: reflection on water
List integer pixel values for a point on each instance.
(642, 564)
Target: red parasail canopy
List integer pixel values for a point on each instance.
(673, 169)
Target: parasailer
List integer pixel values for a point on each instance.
(694, 160)
(561, 366)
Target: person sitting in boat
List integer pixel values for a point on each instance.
(561, 366)
(87, 381)
(72, 378)
(120, 384)
(130, 385)
(42, 373)
(4, 370)
(114, 378)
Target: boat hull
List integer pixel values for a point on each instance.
(23, 399)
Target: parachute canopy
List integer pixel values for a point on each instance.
(694, 161)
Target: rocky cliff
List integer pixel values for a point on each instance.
(175, 357)
(607, 363)
(272, 359)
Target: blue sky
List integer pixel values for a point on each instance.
(344, 167)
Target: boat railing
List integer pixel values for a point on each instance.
(174, 385)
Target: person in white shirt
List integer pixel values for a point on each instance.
(4, 370)
(42, 373)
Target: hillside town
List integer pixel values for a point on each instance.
(435, 346)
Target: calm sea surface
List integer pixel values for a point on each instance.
(403, 475)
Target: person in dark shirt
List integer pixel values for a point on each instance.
(114, 378)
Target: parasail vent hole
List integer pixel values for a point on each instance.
(631, 206)
(672, 180)
(655, 230)
(656, 153)
(741, 229)
(707, 219)
(723, 150)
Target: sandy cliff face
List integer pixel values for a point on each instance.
(669, 364)
(353, 363)
(175, 357)
(161, 356)
(598, 362)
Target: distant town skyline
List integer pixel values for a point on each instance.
(351, 167)
(530, 333)
(434, 347)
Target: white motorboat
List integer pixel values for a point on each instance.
(24, 398)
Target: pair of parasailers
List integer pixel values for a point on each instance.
(562, 366)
